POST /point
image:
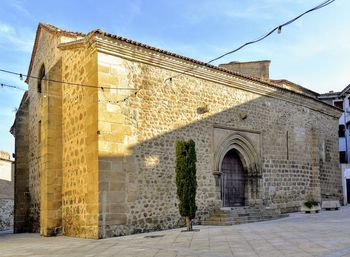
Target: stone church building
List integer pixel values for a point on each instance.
(95, 155)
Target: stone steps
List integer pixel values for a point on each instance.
(240, 215)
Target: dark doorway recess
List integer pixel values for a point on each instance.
(233, 180)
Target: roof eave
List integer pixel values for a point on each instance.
(346, 89)
(106, 34)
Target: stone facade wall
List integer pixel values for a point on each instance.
(80, 132)
(117, 188)
(137, 144)
(51, 153)
(62, 180)
(50, 172)
(100, 159)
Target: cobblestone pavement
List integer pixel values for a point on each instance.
(323, 234)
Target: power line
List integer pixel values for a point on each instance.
(277, 28)
(56, 96)
(121, 100)
(60, 97)
(11, 86)
(63, 82)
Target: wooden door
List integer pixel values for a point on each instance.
(233, 180)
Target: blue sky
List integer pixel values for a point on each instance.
(313, 52)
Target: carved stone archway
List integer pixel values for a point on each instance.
(251, 164)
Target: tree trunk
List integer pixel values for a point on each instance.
(188, 224)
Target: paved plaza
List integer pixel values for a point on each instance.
(323, 234)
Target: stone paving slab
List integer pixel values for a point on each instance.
(323, 234)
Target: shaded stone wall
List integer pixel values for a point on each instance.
(258, 69)
(22, 222)
(51, 154)
(47, 55)
(6, 213)
(79, 135)
(137, 144)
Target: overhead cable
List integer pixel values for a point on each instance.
(63, 82)
(277, 28)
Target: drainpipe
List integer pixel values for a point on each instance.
(346, 155)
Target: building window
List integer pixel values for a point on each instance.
(342, 157)
(41, 77)
(338, 104)
(341, 131)
(39, 131)
(328, 151)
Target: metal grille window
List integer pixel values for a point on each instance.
(342, 157)
(341, 131)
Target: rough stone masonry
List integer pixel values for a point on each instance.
(100, 156)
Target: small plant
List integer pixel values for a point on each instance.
(186, 182)
(311, 202)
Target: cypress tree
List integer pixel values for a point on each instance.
(186, 182)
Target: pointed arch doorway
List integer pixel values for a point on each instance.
(233, 180)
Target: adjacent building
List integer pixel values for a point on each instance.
(96, 132)
(6, 191)
(341, 100)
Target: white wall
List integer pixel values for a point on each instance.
(6, 170)
(342, 144)
(342, 119)
(345, 170)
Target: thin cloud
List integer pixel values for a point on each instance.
(8, 112)
(19, 7)
(4, 28)
(273, 2)
(248, 13)
(135, 8)
(15, 40)
(325, 42)
(240, 10)
(224, 11)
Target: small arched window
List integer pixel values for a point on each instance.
(41, 77)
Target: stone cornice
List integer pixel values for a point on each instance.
(219, 126)
(83, 42)
(6, 160)
(71, 45)
(131, 52)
